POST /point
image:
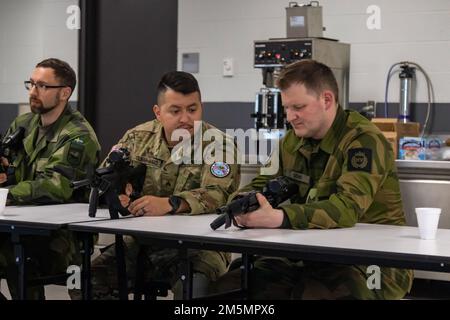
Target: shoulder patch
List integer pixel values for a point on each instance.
(220, 169)
(360, 159)
(75, 153)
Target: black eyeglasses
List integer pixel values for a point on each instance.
(39, 86)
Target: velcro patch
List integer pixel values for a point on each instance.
(360, 159)
(150, 161)
(299, 177)
(220, 169)
(75, 153)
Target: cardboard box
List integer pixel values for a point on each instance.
(394, 130)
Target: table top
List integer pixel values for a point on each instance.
(49, 216)
(401, 240)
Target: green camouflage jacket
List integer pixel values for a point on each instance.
(45, 168)
(347, 177)
(204, 186)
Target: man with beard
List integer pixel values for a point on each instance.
(187, 188)
(57, 146)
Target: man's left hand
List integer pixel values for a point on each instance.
(150, 206)
(264, 217)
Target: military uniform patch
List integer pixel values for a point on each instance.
(150, 161)
(220, 169)
(299, 177)
(75, 153)
(360, 159)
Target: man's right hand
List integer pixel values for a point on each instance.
(264, 217)
(4, 164)
(125, 198)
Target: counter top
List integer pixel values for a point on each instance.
(407, 169)
(423, 169)
(423, 164)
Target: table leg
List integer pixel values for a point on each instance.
(121, 268)
(19, 257)
(186, 274)
(140, 275)
(86, 286)
(245, 274)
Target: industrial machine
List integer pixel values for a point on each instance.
(272, 55)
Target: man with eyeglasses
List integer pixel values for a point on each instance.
(58, 145)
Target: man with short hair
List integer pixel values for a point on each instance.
(187, 188)
(58, 144)
(345, 170)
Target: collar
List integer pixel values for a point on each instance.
(161, 149)
(55, 127)
(332, 137)
(50, 136)
(328, 142)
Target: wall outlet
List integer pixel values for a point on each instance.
(228, 68)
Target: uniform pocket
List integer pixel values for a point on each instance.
(152, 181)
(302, 180)
(189, 177)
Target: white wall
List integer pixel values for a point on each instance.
(30, 31)
(413, 30)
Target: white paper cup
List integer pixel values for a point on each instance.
(3, 196)
(428, 219)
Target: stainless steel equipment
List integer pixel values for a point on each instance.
(272, 55)
(425, 184)
(407, 88)
(304, 20)
(268, 109)
(406, 78)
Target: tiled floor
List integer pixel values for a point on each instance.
(4, 288)
(52, 292)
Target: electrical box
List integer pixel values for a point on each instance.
(228, 67)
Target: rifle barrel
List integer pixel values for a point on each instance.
(219, 221)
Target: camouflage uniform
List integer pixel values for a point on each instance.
(347, 177)
(51, 157)
(195, 183)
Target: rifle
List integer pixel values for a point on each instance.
(276, 191)
(9, 143)
(111, 181)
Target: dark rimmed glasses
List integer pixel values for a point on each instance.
(40, 86)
